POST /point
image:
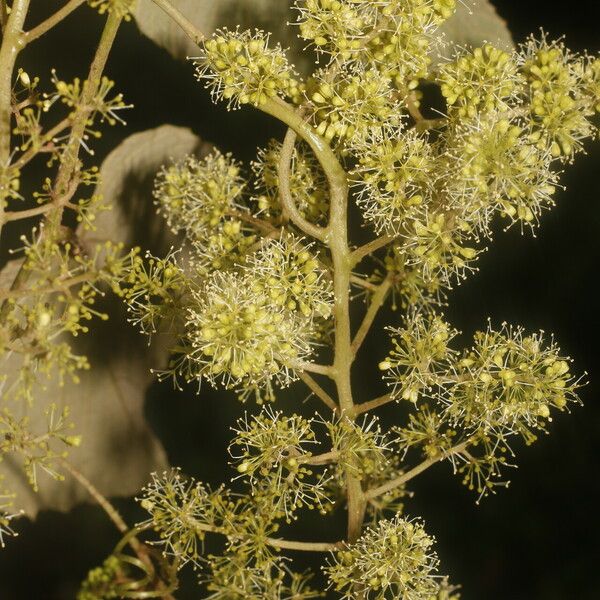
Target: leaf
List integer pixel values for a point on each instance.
(209, 15)
(474, 23)
(118, 449)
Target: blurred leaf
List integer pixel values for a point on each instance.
(209, 15)
(475, 22)
(8, 272)
(118, 449)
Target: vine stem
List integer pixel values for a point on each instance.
(52, 20)
(401, 479)
(12, 44)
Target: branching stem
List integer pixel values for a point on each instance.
(186, 25)
(363, 251)
(285, 194)
(400, 480)
(313, 368)
(318, 391)
(12, 44)
(52, 20)
(274, 542)
(377, 301)
(375, 403)
(103, 502)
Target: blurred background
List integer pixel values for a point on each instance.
(536, 540)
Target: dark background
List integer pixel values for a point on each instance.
(536, 540)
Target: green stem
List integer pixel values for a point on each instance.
(70, 164)
(377, 301)
(274, 542)
(186, 25)
(401, 479)
(108, 508)
(337, 239)
(12, 44)
(287, 201)
(375, 403)
(371, 247)
(52, 20)
(318, 391)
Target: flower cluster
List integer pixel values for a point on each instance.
(182, 512)
(241, 67)
(334, 26)
(101, 104)
(441, 246)
(156, 291)
(505, 385)
(480, 82)
(412, 287)
(232, 579)
(393, 559)
(238, 336)
(354, 103)
(559, 109)
(509, 382)
(39, 451)
(100, 583)
(420, 357)
(121, 8)
(404, 37)
(64, 284)
(428, 430)
(392, 36)
(290, 274)
(496, 169)
(254, 300)
(203, 197)
(274, 455)
(362, 448)
(394, 177)
(251, 326)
